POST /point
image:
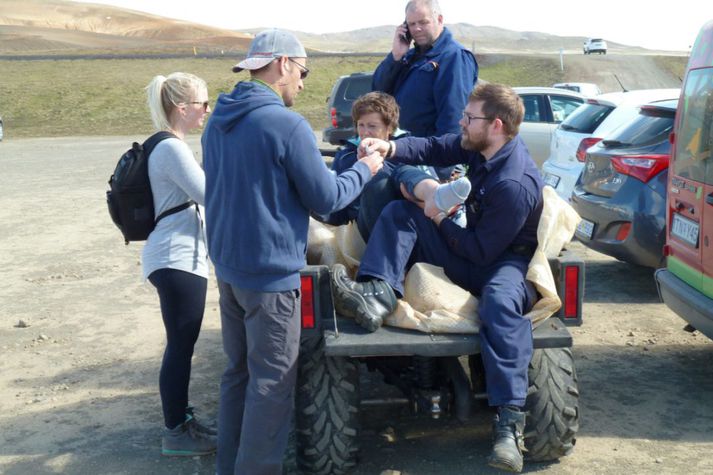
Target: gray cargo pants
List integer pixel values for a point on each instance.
(261, 335)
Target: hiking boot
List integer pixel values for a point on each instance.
(206, 429)
(185, 441)
(367, 302)
(509, 443)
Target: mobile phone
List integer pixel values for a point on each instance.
(406, 38)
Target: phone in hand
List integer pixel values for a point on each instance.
(406, 38)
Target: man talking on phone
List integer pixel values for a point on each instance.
(431, 81)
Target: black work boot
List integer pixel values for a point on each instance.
(508, 429)
(367, 302)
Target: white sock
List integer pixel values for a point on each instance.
(452, 193)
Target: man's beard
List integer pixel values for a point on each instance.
(477, 145)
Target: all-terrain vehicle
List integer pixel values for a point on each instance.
(427, 369)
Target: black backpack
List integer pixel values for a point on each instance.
(130, 199)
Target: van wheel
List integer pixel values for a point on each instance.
(326, 411)
(552, 405)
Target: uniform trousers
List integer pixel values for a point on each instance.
(403, 236)
(261, 336)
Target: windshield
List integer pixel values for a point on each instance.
(586, 118)
(649, 127)
(694, 137)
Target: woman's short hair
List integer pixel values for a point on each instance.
(383, 104)
(164, 94)
(502, 102)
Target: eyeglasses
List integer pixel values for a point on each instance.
(205, 104)
(469, 117)
(303, 71)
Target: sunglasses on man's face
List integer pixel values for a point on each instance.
(205, 104)
(303, 70)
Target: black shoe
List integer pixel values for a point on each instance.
(508, 429)
(367, 302)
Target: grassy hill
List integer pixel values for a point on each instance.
(106, 97)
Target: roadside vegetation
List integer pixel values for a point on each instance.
(49, 98)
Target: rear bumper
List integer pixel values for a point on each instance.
(644, 208)
(685, 301)
(349, 339)
(566, 177)
(336, 136)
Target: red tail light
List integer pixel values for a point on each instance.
(623, 232)
(583, 146)
(307, 301)
(641, 167)
(571, 282)
(333, 115)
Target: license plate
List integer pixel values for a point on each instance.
(685, 229)
(552, 180)
(585, 229)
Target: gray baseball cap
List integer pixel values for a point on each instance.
(267, 46)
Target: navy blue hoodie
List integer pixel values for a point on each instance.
(264, 174)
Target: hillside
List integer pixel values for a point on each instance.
(44, 26)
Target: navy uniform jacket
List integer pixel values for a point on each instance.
(431, 87)
(505, 202)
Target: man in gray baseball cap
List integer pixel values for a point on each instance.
(264, 175)
(267, 46)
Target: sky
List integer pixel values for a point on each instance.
(653, 25)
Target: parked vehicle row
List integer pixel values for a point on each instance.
(586, 126)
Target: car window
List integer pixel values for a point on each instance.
(587, 118)
(533, 105)
(356, 87)
(563, 106)
(694, 139)
(649, 127)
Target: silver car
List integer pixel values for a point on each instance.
(1, 128)
(545, 108)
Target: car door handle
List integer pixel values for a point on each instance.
(709, 199)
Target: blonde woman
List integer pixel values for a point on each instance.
(174, 258)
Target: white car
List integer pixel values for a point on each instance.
(595, 45)
(545, 108)
(0, 128)
(588, 125)
(587, 89)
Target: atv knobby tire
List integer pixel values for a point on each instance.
(326, 411)
(552, 405)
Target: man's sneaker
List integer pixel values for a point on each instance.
(186, 441)
(207, 429)
(367, 302)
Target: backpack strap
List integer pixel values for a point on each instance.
(148, 147)
(175, 210)
(155, 139)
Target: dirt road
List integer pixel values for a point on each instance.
(611, 72)
(78, 376)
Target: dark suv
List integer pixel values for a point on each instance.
(339, 107)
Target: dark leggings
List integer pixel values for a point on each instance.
(182, 297)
